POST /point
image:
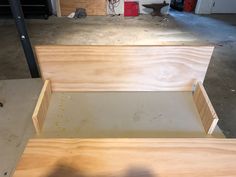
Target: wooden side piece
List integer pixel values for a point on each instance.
(123, 68)
(93, 7)
(128, 157)
(41, 107)
(206, 110)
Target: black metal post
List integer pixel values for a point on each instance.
(25, 41)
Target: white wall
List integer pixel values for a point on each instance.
(215, 6)
(203, 7)
(142, 10)
(224, 6)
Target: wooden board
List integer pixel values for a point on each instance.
(41, 107)
(128, 158)
(123, 68)
(93, 7)
(205, 109)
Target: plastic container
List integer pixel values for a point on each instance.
(131, 9)
(189, 5)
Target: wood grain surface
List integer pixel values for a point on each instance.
(123, 68)
(41, 107)
(93, 7)
(205, 109)
(128, 158)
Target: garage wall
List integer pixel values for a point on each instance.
(224, 6)
(143, 10)
(204, 7)
(215, 6)
(120, 8)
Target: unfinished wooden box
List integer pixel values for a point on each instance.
(146, 83)
(108, 111)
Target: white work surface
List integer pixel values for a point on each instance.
(19, 98)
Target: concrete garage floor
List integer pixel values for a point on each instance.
(177, 28)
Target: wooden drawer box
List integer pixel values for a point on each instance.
(100, 105)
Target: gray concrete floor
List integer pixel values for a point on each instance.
(177, 28)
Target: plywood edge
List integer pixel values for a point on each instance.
(41, 107)
(211, 47)
(205, 109)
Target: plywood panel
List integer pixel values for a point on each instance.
(41, 107)
(93, 7)
(206, 110)
(128, 157)
(123, 68)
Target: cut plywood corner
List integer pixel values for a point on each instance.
(93, 7)
(206, 111)
(41, 107)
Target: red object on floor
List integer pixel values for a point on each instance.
(131, 9)
(189, 5)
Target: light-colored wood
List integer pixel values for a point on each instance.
(58, 8)
(205, 109)
(128, 157)
(93, 7)
(123, 68)
(41, 107)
